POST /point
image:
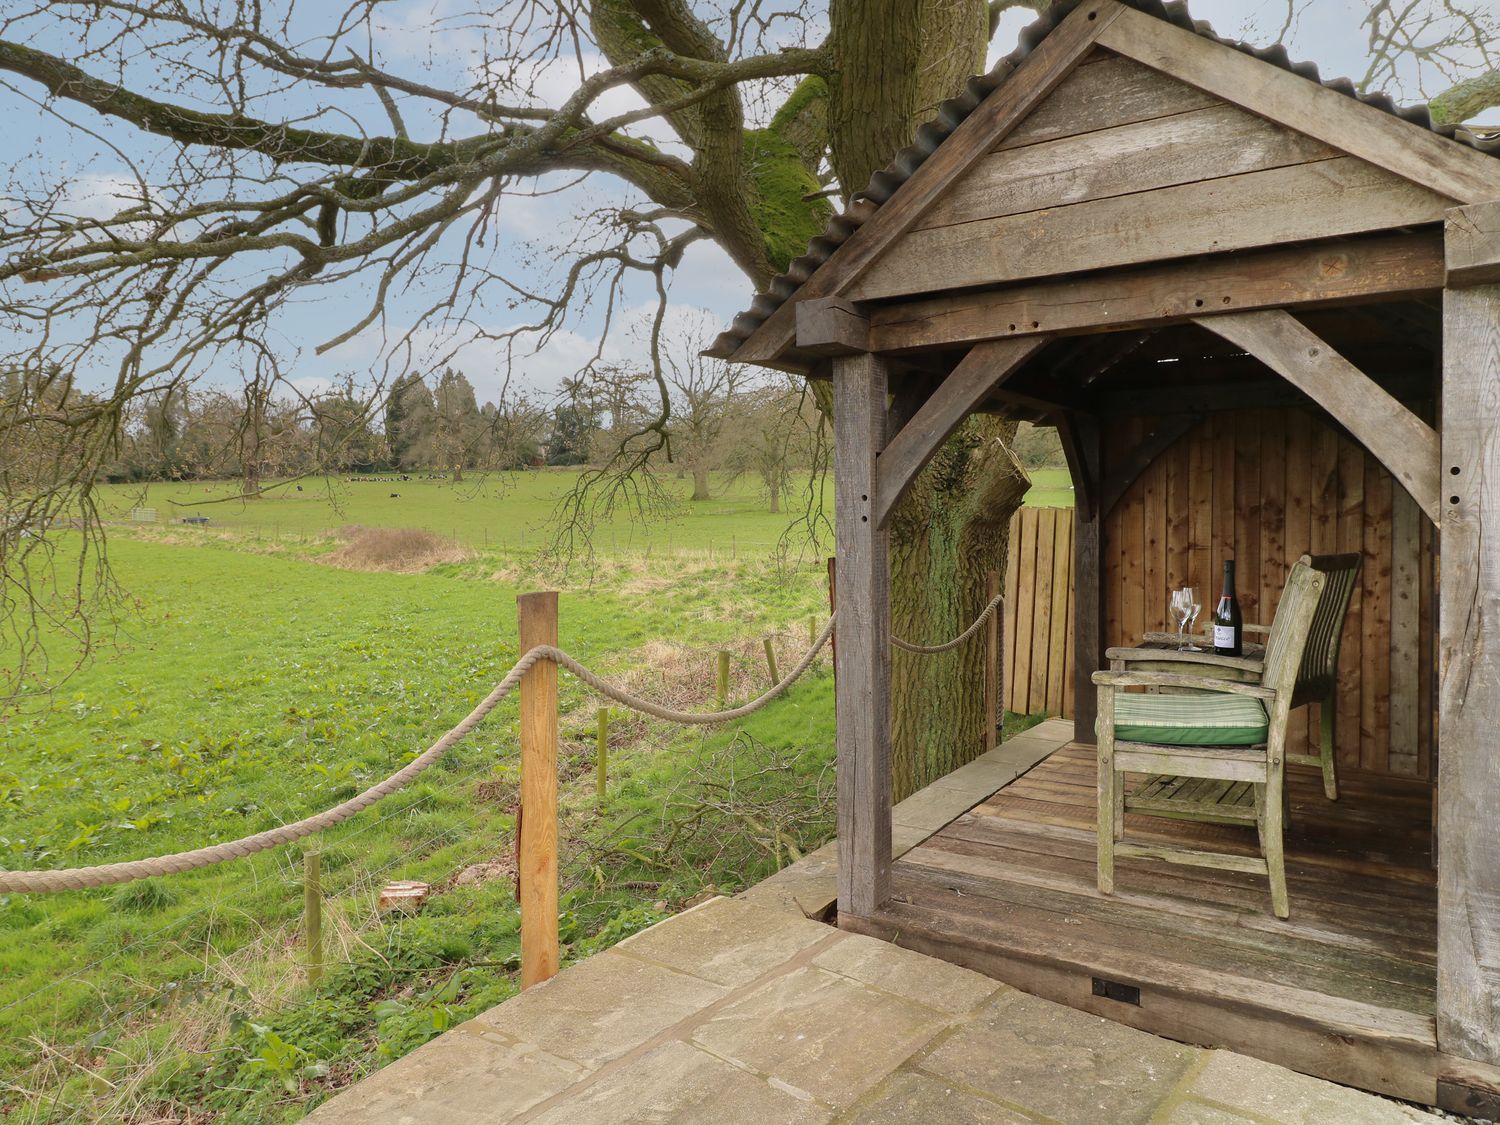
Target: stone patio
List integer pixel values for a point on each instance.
(747, 1010)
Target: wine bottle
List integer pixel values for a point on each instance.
(1229, 625)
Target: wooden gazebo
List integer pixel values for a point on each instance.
(1264, 315)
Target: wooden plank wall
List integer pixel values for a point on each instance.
(1262, 487)
(1038, 656)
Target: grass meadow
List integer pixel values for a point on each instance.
(246, 683)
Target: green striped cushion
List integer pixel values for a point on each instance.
(1190, 720)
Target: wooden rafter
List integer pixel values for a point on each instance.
(975, 376)
(1401, 441)
(1387, 267)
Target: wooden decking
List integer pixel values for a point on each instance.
(1344, 990)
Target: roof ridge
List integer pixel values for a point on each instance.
(954, 111)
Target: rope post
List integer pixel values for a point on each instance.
(536, 623)
(601, 753)
(833, 608)
(771, 661)
(722, 692)
(993, 715)
(312, 912)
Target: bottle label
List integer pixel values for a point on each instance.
(1223, 636)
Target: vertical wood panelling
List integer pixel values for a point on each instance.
(1039, 613)
(1351, 506)
(1298, 450)
(1263, 487)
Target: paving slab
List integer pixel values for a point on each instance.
(724, 941)
(1066, 1064)
(1249, 1085)
(912, 976)
(820, 1032)
(678, 1082)
(910, 1097)
(600, 1008)
(461, 1075)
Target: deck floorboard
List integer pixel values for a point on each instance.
(1344, 989)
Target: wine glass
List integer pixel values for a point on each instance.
(1192, 606)
(1180, 615)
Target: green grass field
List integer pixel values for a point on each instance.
(246, 690)
(246, 684)
(506, 510)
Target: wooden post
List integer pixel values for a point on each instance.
(1085, 455)
(312, 912)
(771, 662)
(993, 714)
(1468, 938)
(536, 621)
(721, 693)
(862, 691)
(833, 606)
(601, 753)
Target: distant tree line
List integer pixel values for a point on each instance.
(728, 423)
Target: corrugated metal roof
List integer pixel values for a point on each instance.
(953, 112)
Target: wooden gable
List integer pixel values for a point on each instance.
(1123, 165)
(1165, 144)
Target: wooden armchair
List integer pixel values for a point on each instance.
(1228, 733)
(1317, 677)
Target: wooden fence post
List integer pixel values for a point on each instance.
(601, 753)
(312, 912)
(993, 715)
(722, 691)
(833, 608)
(536, 621)
(771, 662)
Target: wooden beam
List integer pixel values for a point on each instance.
(1473, 244)
(832, 326)
(1401, 441)
(994, 117)
(1468, 983)
(1083, 445)
(976, 376)
(1161, 438)
(1389, 267)
(1387, 141)
(1073, 432)
(862, 690)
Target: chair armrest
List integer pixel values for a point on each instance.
(1172, 656)
(1172, 679)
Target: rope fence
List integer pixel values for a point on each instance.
(534, 752)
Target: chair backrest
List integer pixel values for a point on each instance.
(1320, 659)
(1291, 631)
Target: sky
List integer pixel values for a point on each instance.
(431, 41)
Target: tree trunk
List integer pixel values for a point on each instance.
(700, 484)
(950, 530)
(896, 61)
(775, 495)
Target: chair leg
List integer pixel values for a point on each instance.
(1327, 716)
(1106, 797)
(1269, 820)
